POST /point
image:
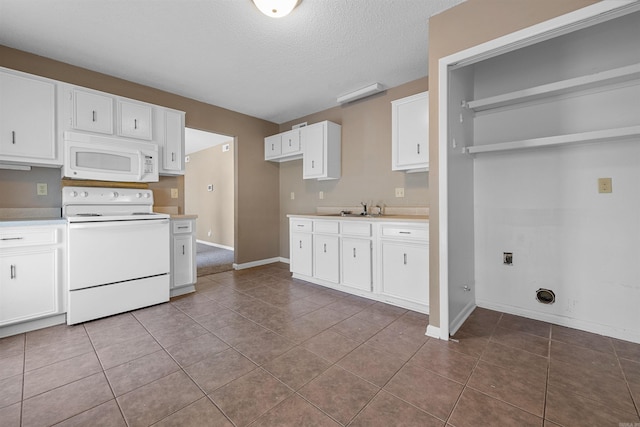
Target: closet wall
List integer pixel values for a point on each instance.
(543, 204)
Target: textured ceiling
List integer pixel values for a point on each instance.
(226, 53)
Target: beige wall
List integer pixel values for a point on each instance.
(256, 181)
(214, 208)
(366, 162)
(461, 27)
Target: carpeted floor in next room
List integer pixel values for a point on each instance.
(211, 259)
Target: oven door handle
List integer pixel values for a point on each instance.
(112, 224)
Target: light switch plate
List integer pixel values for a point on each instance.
(321, 195)
(41, 189)
(400, 192)
(174, 193)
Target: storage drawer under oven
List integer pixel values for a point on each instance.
(107, 252)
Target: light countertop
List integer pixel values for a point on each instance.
(374, 218)
(21, 222)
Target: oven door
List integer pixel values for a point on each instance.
(107, 252)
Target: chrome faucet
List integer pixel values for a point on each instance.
(364, 206)
(379, 210)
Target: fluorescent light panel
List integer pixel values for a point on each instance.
(360, 93)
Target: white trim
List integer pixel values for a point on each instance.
(255, 263)
(32, 325)
(434, 332)
(601, 11)
(583, 325)
(285, 260)
(461, 317)
(230, 248)
(176, 292)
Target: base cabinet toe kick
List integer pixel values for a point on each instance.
(383, 260)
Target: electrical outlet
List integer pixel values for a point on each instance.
(41, 189)
(507, 258)
(605, 185)
(400, 192)
(293, 195)
(321, 195)
(174, 193)
(209, 233)
(210, 187)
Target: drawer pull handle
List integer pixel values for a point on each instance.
(182, 227)
(405, 259)
(13, 271)
(313, 164)
(418, 148)
(93, 115)
(354, 252)
(300, 244)
(182, 249)
(404, 232)
(272, 147)
(173, 157)
(300, 225)
(13, 136)
(325, 248)
(135, 125)
(12, 238)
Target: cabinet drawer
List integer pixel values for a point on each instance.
(182, 227)
(354, 228)
(329, 227)
(28, 237)
(302, 225)
(405, 232)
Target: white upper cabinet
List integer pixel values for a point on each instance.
(410, 133)
(172, 147)
(135, 120)
(283, 147)
(273, 147)
(27, 120)
(291, 142)
(92, 111)
(321, 146)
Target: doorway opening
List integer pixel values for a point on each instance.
(209, 194)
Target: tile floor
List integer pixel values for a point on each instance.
(258, 348)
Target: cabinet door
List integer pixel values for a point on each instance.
(313, 145)
(183, 260)
(92, 112)
(272, 146)
(134, 120)
(356, 263)
(301, 253)
(27, 119)
(326, 258)
(173, 150)
(290, 141)
(405, 271)
(27, 292)
(410, 127)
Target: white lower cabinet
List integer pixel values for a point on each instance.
(356, 263)
(381, 259)
(326, 257)
(405, 273)
(183, 253)
(31, 276)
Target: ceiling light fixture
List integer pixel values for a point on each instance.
(360, 93)
(276, 8)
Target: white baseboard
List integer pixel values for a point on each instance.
(433, 331)
(596, 328)
(32, 325)
(285, 260)
(230, 248)
(256, 263)
(461, 317)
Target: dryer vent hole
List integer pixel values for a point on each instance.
(545, 296)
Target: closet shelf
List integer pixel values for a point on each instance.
(559, 140)
(609, 77)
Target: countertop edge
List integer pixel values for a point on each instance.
(384, 218)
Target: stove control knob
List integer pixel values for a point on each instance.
(74, 194)
(138, 195)
(84, 194)
(147, 195)
(114, 194)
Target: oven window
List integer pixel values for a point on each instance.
(103, 161)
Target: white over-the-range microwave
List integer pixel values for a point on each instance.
(104, 158)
